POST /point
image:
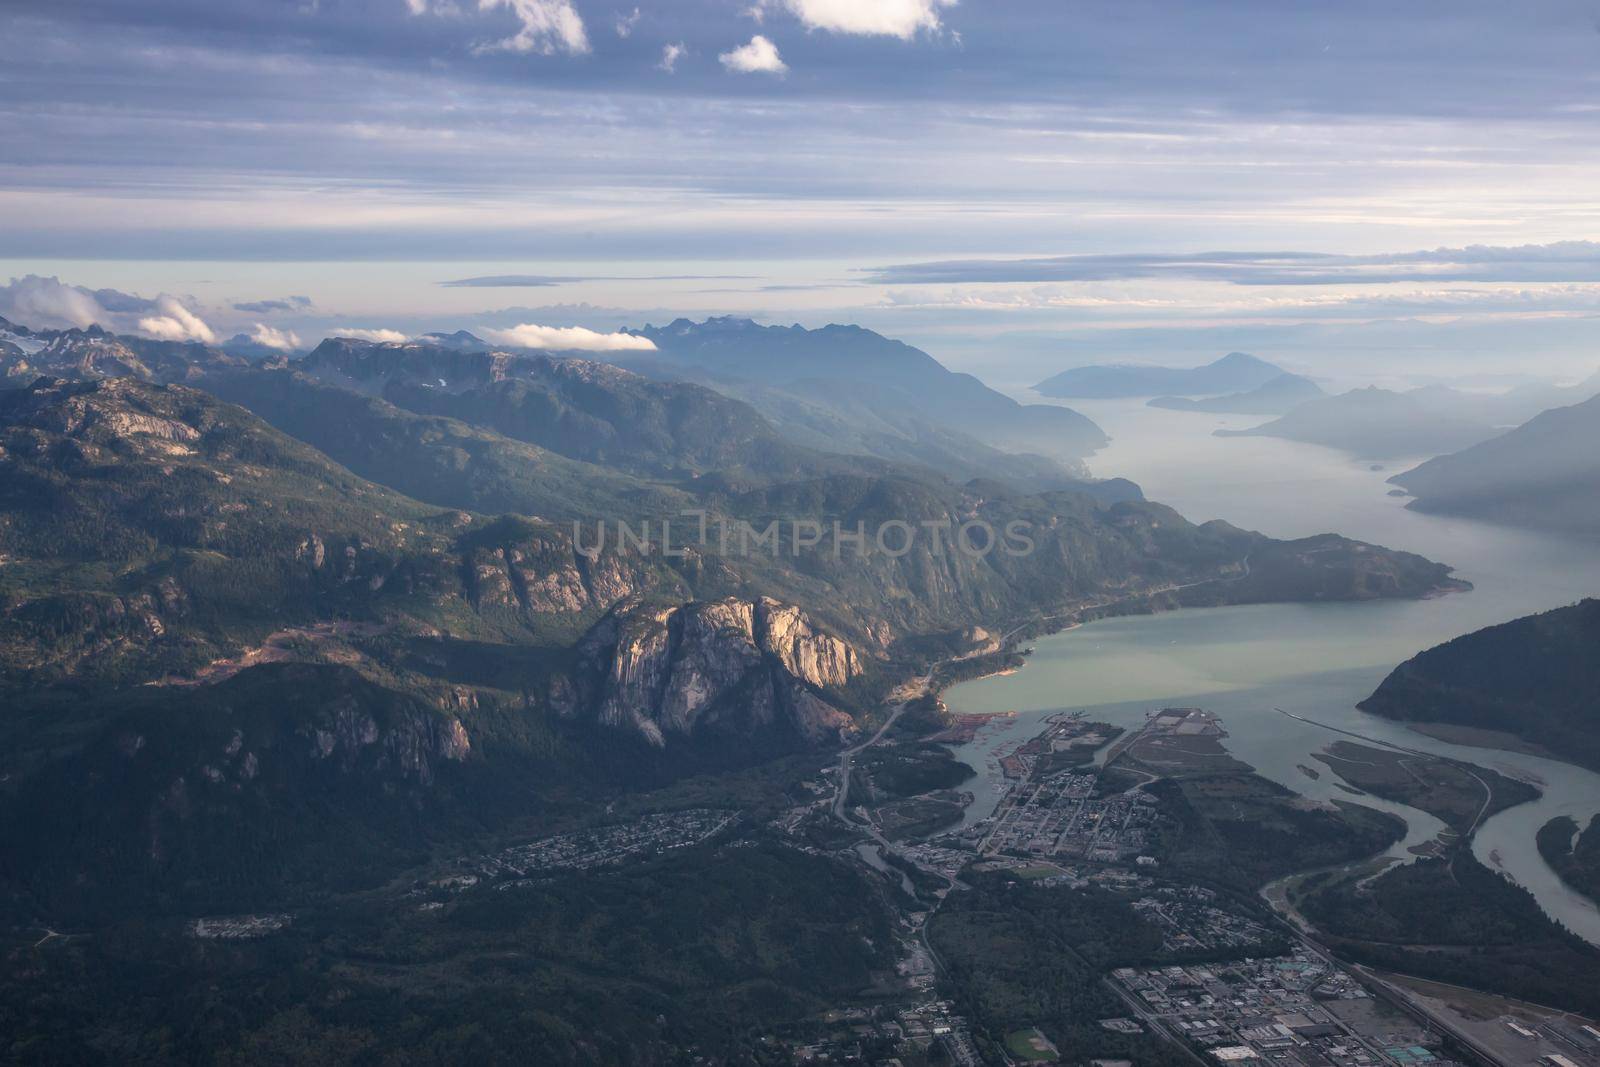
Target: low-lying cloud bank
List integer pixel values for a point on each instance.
(269, 337)
(568, 339)
(384, 336)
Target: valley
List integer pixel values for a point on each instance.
(581, 719)
(799, 533)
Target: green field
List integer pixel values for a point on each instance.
(1037, 871)
(1032, 1046)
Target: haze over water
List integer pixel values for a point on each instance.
(1314, 660)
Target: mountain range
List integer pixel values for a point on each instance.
(1544, 474)
(1374, 423)
(1276, 397)
(1236, 372)
(386, 546)
(846, 388)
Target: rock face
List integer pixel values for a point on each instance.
(728, 666)
(408, 746)
(817, 658)
(94, 353)
(543, 573)
(104, 414)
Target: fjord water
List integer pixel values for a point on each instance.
(1312, 660)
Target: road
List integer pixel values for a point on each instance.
(843, 792)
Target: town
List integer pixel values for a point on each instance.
(1064, 821)
(1297, 1009)
(584, 849)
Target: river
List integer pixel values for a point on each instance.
(1312, 660)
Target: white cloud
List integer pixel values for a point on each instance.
(670, 56)
(568, 339)
(417, 7)
(875, 18)
(282, 340)
(760, 56)
(382, 336)
(48, 303)
(626, 23)
(174, 322)
(548, 26)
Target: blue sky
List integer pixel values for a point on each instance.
(975, 176)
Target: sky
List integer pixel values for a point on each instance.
(1012, 184)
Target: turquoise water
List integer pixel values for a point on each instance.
(1316, 661)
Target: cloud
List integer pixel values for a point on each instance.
(625, 23)
(670, 54)
(548, 26)
(119, 303)
(1565, 261)
(880, 18)
(540, 281)
(263, 307)
(759, 56)
(382, 336)
(48, 303)
(508, 281)
(568, 339)
(282, 340)
(1300, 302)
(174, 322)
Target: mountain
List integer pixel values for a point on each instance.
(1537, 678)
(95, 353)
(154, 530)
(1235, 372)
(1510, 408)
(681, 670)
(237, 676)
(833, 379)
(1544, 474)
(593, 412)
(1276, 397)
(555, 411)
(872, 420)
(291, 776)
(460, 340)
(441, 460)
(17, 342)
(1375, 424)
(225, 796)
